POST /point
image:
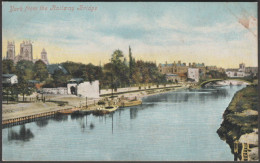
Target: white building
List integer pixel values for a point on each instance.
(242, 71)
(9, 79)
(193, 73)
(232, 73)
(84, 89)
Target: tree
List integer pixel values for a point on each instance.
(40, 70)
(60, 79)
(24, 70)
(24, 89)
(131, 65)
(8, 66)
(136, 76)
(9, 92)
(117, 56)
(90, 72)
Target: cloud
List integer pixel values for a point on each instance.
(166, 34)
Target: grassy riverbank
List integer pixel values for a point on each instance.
(240, 118)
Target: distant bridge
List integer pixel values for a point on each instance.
(215, 80)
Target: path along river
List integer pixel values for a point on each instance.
(178, 125)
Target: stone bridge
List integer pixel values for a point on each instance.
(215, 80)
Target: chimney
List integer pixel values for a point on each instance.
(184, 64)
(189, 64)
(179, 62)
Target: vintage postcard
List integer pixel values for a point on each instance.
(130, 81)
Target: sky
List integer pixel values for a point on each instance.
(207, 32)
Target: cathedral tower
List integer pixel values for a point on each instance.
(44, 56)
(26, 51)
(10, 54)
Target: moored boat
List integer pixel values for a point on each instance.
(110, 108)
(105, 110)
(130, 103)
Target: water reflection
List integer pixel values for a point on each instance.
(185, 95)
(133, 113)
(220, 93)
(76, 116)
(23, 134)
(42, 123)
(91, 126)
(60, 117)
(139, 128)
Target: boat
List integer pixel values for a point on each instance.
(130, 103)
(110, 108)
(69, 111)
(105, 110)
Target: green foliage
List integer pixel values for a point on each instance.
(236, 121)
(131, 64)
(115, 74)
(24, 88)
(117, 56)
(8, 67)
(40, 70)
(10, 92)
(118, 74)
(60, 79)
(216, 74)
(88, 72)
(24, 70)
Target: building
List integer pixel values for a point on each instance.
(56, 67)
(181, 69)
(242, 67)
(251, 70)
(193, 74)
(242, 71)
(44, 57)
(77, 86)
(183, 77)
(211, 68)
(10, 54)
(173, 68)
(8, 79)
(173, 77)
(26, 52)
(235, 73)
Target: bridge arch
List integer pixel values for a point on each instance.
(215, 80)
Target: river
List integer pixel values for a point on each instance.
(178, 126)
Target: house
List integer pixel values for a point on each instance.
(242, 71)
(193, 73)
(182, 77)
(56, 67)
(251, 70)
(173, 68)
(76, 86)
(76, 80)
(9, 79)
(33, 83)
(172, 77)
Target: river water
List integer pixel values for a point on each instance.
(179, 125)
